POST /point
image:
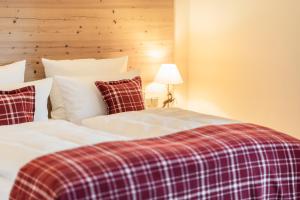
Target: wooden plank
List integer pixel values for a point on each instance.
(70, 29)
(93, 4)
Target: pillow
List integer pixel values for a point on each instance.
(17, 106)
(12, 73)
(80, 67)
(81, 97)
(122, 96)
(42, 91)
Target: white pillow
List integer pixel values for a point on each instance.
(42, 91)
(80, 67)
(12, 73)
(81, 97)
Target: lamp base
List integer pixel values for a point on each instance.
(169, 100)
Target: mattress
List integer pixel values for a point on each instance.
(152, 122)
(22, 143)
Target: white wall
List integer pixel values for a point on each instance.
(181, 49)
(244, 61)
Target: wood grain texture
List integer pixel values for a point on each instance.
(71, 29)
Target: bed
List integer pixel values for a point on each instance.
(22, 143)
(155, 154)
(32, 140)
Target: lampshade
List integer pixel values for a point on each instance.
(168, 74)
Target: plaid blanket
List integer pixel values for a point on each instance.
(237, 161)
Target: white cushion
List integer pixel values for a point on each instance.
(42, 91)
(80, 67)
(81, 97)
(12, 73)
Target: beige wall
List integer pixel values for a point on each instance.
(244, 61)
(181, 49)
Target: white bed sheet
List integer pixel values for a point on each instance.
(22, 143)
(152, 122)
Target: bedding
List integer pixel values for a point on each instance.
(152, 122)
(42, 91)
(12, 73)
(22, 143)
(123, 95)
(17, 106)
(81, 97)
(235, 161)
(79, 67)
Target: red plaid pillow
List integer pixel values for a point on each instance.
(122, 96)
(17, 106)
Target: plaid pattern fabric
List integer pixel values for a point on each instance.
(17, 106)
(122, 96)
(237, 161)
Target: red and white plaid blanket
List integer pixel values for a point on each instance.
(237, 161)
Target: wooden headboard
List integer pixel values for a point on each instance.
(71, 29)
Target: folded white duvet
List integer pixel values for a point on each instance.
(22, 143)
(152, 122)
